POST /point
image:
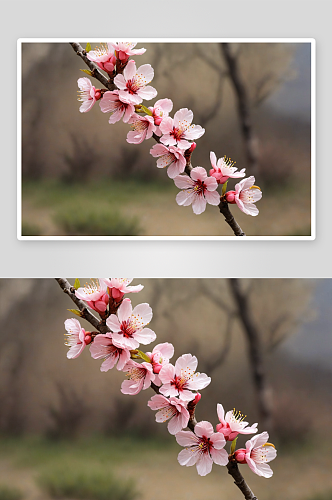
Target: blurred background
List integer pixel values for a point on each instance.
(68, 432)
(81, 177)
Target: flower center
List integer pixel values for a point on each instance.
(199, 187)
(204, 444)
(127, 329)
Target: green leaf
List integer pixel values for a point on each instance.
(88, 47)
(77, 284)
(141, 355)
(233, 446)
(87, 71)
(224, 187)
(75, 311)
(146, 110)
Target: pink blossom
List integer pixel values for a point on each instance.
(140, 377)
(202, 448)
(173, 409)
(143, 128)
(103, 348)
(104, 57)
(198, 189)
(223, 169)
(88, 94)
(77, 338)
(128, 326)
(257, 453)
(179, 130)
(182, 379)
(133, 83)
(245, 196)
(95, 295)
(119, 286)
(232, 424)
(125, 49)
(110, 103)
(161, 110)
(171, 157)
(160, 355)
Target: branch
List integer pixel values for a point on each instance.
(233, 470)
(93, 67)
(85, 313)
(229, 218)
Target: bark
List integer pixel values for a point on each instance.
(263, 391)
(243, 107)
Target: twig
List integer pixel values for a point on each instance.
(229, 218)
(85, 313)
(239, 480)
(93, 67)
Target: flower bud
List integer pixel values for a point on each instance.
(87, 338)
(240, 456)
(230, 196)
(97, 94)
(192, 147)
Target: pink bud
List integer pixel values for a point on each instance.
(192, 147)
(230, 196)
(157, 367)
(97, 94)
(240, 456)
(157, 120)
(197, 398)
(88, 338)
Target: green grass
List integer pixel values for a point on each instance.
(88, 482)
(86, 222)
(10, 493)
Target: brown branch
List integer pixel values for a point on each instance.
(95, 72)
(255, 352)
(242, 105)
(85, 313)
(239, 480)
(229, 218)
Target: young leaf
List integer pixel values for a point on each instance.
(88, 47)
(224, 187)
(76, 311)
(87, 71)
(233, 446)
(77, 283)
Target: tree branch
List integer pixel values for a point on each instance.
(229, 218)
(85, 313)
(239, 480)
(93, 67)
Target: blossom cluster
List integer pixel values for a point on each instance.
(176, 385)
(174, 136)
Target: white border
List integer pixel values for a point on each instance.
(312, 41)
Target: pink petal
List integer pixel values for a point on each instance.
(183, 118)
(199, 174)
(186, 438)
(204, 428)
(125, 310)
(188, 457)
(183, 182)
(145, 336)
(113, 323)
(167, 373)
(212, 197)
(204, 464)
(129, 72)
(219, 457)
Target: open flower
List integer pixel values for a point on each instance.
(140, 377)
(182, 379)
(223, 169)
(94, 294)
(103, 348)
(88, 94)
(119, 286)
(160, 355)
(128, 326)
(142, 128)
(172, 409)
(202, 448)
(198, 189)
(179, 131)
(257, 453)
(161, 110)
(245, 196)
(171, 157)
(77, 338)
(133, 83)
(232, 424)
(126, 49)
(110, 103)
(104, 57)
